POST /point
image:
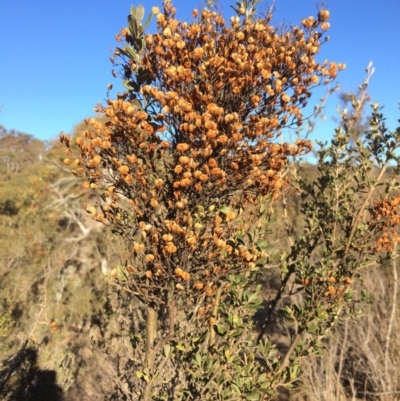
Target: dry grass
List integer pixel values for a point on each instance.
(361, 357)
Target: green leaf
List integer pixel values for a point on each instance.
(238, 381)
(131, 53)
(294, 372)
(209, 363)
(131, 85)
(139, 13)
(253, 396)
(167, 350)
(235, 388)
(141, 375)
(147, 22)
(180, 347)
(219, 330)
(252, 297)
(198, 359)
(225, 209)
(133, 26)
(201, 210)
(137, 103)
(133, 11)
(261, 262)
(262, 378)
(312, 328)
(139, 43)
(321, 312)
(263, 245)
(221, 379)
(265, 385)
(227, 354)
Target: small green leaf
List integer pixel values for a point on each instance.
(167, 350)
(293, 372)
(265, 385)
(321, 312)
(262, 262)
(262, 378)
(133, 11)
(180, 347)
(238, 381)
(210, 363)
(141, 375)
(138, 42)
(235, 388)
(137, 103)
(312, 328)
(253, 396)
(131, 53)
(131, 85)
(225, 209)
(147, 22)
(219, 330)
(227, 353)
(263, 245)
(252, 297)
(133, 26)
(139, 13)
(198, 359)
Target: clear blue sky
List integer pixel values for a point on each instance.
(55, 55)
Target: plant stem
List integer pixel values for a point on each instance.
(289, 353)
(214, 315)
(151, 333)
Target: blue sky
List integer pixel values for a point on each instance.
(55, 55)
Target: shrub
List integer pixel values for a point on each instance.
(188, 168)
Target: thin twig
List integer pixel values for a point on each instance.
(286, 358)
(214, 315)
(285, 215)
(121, 385)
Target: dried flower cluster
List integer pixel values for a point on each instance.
(189, 155)
(385, 218)
(332, 284)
